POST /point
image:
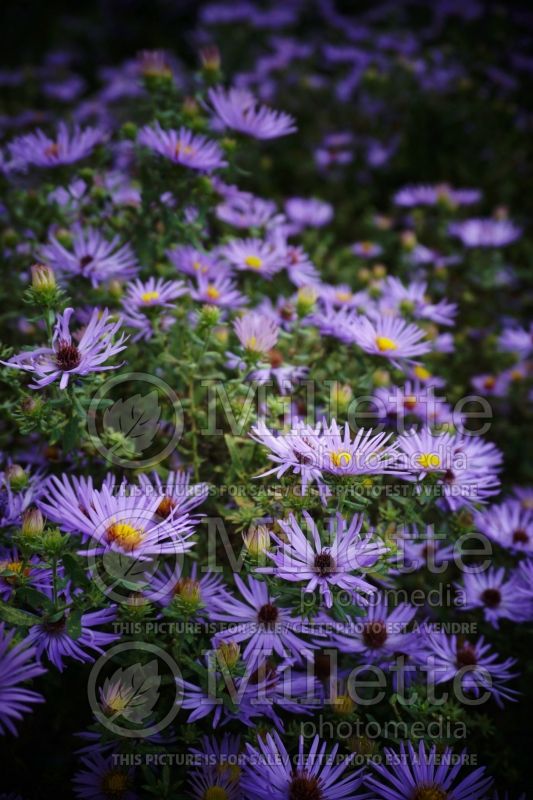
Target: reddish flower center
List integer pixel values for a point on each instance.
(375, 634)
(520, 537)
(67, 356)
(305, 787)
(466, 656)
(267, 614)
(324, 563)
(492, 598)
(166, 507)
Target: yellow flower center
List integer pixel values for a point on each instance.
(16, 570)
(410, 401)
(212, 292)
(251, 343)
(344, 704)
(254, 262)
(384, 343)
(125, 536)
(429, 793)
(149, 297)
(183, 149)
(422, 373)
(367, 247)
(230, 771)
(429, 460)
(340, 458)
(198, 266)
(215, 793)
(343, 297)
(115, 783)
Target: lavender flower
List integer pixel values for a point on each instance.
(183, 147)
(17, 664)
(218, 290)
(66, 147)
(101, 778)
(238, 109)
(253, 255)
(69, 356)
(390, 337)
(509, 524)
(423, 195)
(341, 563)
(497, 594)
(256, 332)
(271, 774)
(423, 775)
(486, 232)
(93, 257)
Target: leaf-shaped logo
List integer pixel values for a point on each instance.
(132, 693)
(134, 573)
(136, 418)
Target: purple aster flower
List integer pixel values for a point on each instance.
(380, 636)
(218, 290)
(310, 452)
(18, 490)
(66, 147)
(54, 638)
(367, 249)
(337, 322)
(425, 775)
(246, 211)
(239, 110)
(220, 762)
(176, 491)
(17, 664)
(417, 550)
(517, 340)
(93, 257)
(413, 299)
(143, 296)
(423, 195)
(335, 151)
(485, 232)
(509, 524)
(285, 376)
(342, 562)
(342, 296)
(390, 337)
(261, 621)
(271, 774)
(198, 593)
(67, 491)
(300, 269)
(257, 333)
(101, 778)
(194, 262)
(308, 212)
(497, 594)
(253, 255)
(426, 452)
(471, 663)
(71, 356)
(183, 147)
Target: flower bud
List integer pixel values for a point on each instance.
(209, 316)
(16, 477)
(188, 591)
(257, 540)
(343, 705)
(228, 654)
(210, 58)
(43, 278)
(381, 377)
(32, 522)
(408, 240)
(31, 406)
(305, 300)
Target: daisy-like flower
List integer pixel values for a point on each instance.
(71, 356)
(54, 638)
(129, 523)
(380, 636)
(485, 232)
(194, 262)
(65, 147)
(425, 775)
(517, 340)
(473, 664)
(92, 257)
(176, 491)
(246, 211)
(496, 593)
(257, 333)
(413, 299)
(253, 255)
(197, 593)
(309, 212)
(426, 452)
(239, 110)
(143, 296)
(367, 249)
(331, 321)
(417, 550)
(259, 620)
(271, 774)
(217, 290)
(509, 524)
(390, 337)
(64, 492)
(424, 195)
(18, 664)
(310, 451)
(219, 762)
(100, 779)
(341, 563)
(183, 147)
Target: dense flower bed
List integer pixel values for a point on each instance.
(266, 495)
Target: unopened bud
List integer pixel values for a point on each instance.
(257, 540)
(210, 58)
(228, 653)
(43, 278)
(16, 477)
(32, 522)
(305, 300)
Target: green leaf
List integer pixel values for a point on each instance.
(15, 616)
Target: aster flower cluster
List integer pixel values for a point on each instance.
(266, 503)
